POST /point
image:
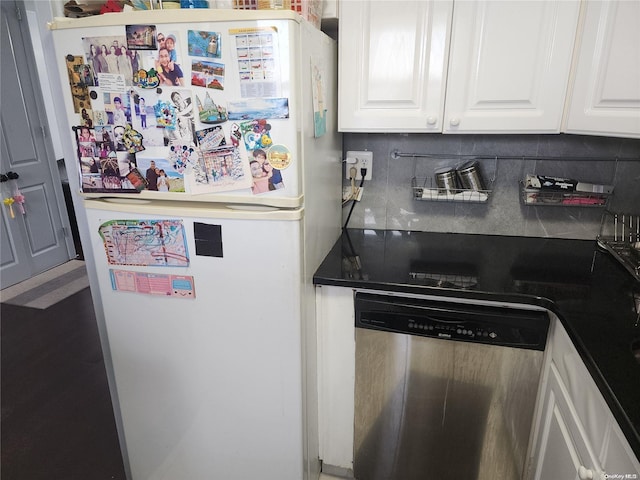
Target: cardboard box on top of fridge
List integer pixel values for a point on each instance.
(310, 10)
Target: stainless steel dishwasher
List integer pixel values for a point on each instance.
(444, 390)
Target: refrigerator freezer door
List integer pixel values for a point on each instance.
(211, 387)
(245, 100)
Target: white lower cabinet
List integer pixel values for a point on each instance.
(577, 436)
(336, 376)
(563, 451)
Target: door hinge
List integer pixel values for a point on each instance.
(44, 131)
(18, 13)
(65, 232)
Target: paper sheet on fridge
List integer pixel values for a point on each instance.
(145, 242)
(180, 286)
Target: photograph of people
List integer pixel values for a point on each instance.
(102, 54)
(179, 123)
(185, 124)
(185, 130)
(161, 39)
(135, 60)
(162, 181)
(152, 176)
(86, 118)
(170, 43)
(124, 65)
(103, 133)
(274, 175)
(86, 77)
(183, 105)
(94, 166)
(112, 59)
(143, 103)
(119, 114)
(142, 109)
(170, 73)
(260, 178)
(98, 61)
(86, 135)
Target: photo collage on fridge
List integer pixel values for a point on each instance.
(153, 113)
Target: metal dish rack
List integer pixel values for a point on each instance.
(620, 236)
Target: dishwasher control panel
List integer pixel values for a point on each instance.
(460, 331)
(453, 321)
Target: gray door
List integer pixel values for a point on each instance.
(34, 242)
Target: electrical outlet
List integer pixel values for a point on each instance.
(359, 160)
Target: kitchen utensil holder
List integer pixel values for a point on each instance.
(425, 189)
(549, 198)
(620, 236)
(428, 188)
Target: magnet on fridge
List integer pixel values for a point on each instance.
(146, 79)
(236, 134)
(279, 156)
(208, 239)
(132, 139)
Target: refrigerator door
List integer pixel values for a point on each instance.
(257, 76)
(208, 387)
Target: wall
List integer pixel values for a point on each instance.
(38, 14)
(387, 201)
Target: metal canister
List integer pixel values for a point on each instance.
(446, 180)
(470, 177)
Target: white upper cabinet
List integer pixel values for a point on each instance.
(605, 96)
(508, 65)
(392, 65)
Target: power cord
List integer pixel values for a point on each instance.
(353, 194)
(363, 173)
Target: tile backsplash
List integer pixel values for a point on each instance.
(388, 203)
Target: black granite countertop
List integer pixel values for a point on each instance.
(583, 285)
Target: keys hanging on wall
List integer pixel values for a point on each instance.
(15, 196)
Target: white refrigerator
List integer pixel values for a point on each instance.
(203, 287)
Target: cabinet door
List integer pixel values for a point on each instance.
(392, 65)
(605, 98)
(336, 375)
(509, 66)
(619, 459)
(562, 447)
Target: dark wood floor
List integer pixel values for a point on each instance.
(57, 418)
